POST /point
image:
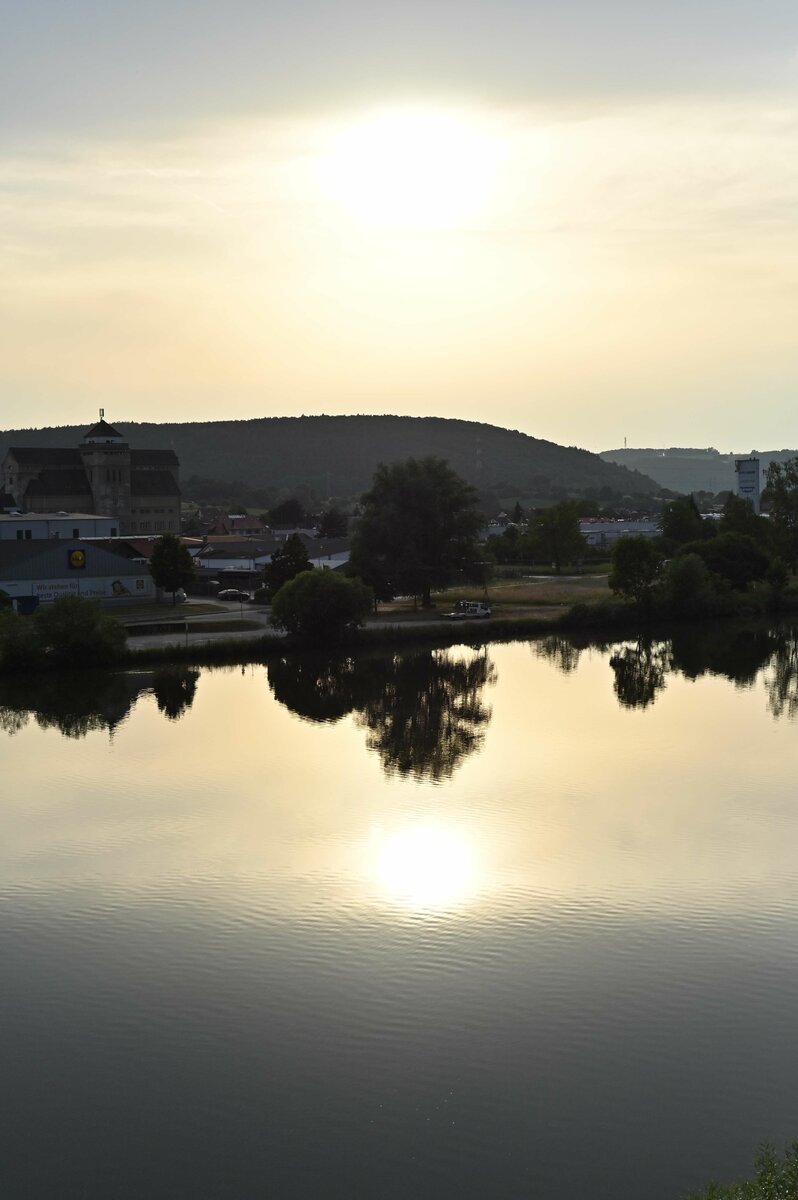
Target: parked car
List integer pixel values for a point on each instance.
(232, 594)
(468, 608)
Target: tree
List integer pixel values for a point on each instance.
(74, 632)
(289, 560)
(171, 565)
(19, 646)
(777, 577)
(739, 517)
(636, 565)
(333, 523)
(781, 493)
(776, 1176)
(733, 556)
(688, 586)
(507, 546)
(682, 522)
(554, 533)
(290, 513)
(417, 531)
(321, 606)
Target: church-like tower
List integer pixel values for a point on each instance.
(106, 461)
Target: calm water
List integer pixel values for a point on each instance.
(512, 923)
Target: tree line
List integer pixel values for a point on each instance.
(703, 567)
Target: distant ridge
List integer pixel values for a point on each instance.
(334, 455)
(689, 468)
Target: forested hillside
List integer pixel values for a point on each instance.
(338, 455)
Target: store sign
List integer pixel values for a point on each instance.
(77, 560)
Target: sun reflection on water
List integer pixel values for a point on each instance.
(425, 866)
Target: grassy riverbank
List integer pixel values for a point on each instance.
(522, 608)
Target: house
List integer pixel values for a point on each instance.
(237, 524)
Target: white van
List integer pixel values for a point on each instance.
(464, 609)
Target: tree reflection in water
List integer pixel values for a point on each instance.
(423, 712)
(174, 691)
(79, 703)
(640, 672)
(563, 652)
(428, 715)
(641, 668)
(782, 680)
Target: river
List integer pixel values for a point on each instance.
(518, 921)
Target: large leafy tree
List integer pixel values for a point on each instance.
(321, 607)
(554, 533)
(636, 564)
(781, 493)
(682, 522)
(290, 512)
(171, 565)
(739, 517)
(289, 560)
(418, 529)
(333, 523)
(734, 556)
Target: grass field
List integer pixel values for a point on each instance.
(508, 597)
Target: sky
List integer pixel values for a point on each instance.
(578, 220)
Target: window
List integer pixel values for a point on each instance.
(76, 533)
(113, 531)
(28, 534)
(20, 534)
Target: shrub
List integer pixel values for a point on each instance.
(734, 556)
(775, 1178)
(73, 632)
(321, 606)
(688, 587)
(19, 644)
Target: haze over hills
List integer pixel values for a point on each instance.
(691, 469)
(332, 455)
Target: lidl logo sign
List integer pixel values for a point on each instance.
(77, 560)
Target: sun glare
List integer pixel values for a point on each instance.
(425, 866)
(411, 168)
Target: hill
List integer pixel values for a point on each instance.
(691, 469)
(338, 455)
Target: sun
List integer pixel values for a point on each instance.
(412, 168)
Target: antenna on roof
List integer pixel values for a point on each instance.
(102, 413)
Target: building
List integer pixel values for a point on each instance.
(37, 572)
(26, 527)
(138, 489)
(601, 533)
(748, 480)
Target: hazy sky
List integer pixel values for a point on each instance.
(575, 219)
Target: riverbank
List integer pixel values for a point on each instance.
(528, 608)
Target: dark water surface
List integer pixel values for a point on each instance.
(512, 923)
